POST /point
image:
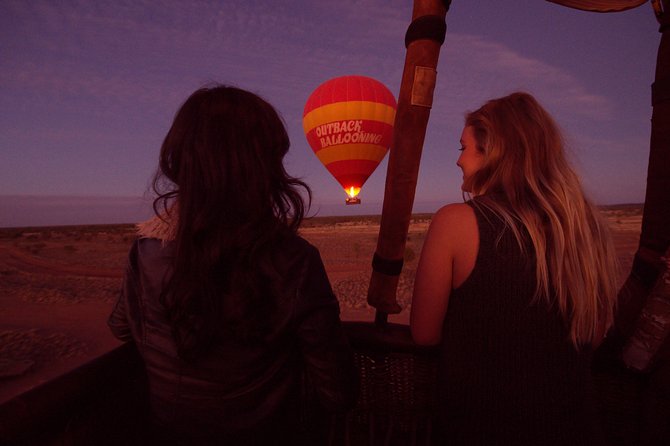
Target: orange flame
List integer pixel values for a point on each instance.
(353, 191)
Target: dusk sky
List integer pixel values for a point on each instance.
(88, 89)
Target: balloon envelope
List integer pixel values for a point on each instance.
(348, 122)
(601, 5)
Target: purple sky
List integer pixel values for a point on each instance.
(88, 89)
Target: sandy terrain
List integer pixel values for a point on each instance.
(57, 286)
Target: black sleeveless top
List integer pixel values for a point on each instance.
(509, 374)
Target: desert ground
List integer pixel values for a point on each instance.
(58, 285)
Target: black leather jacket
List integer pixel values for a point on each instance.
(240, 394)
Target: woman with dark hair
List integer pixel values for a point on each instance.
(230, 309)
(517, 285)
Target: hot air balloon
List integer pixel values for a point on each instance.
(348, 122)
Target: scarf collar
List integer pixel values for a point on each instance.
(162, 227)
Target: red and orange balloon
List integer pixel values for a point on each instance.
(348, 122)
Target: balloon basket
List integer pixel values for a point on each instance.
(352, 200)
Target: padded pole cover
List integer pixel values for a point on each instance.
(656, 217)
(655, 234)
(414, 102)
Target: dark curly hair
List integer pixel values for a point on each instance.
(222, 163)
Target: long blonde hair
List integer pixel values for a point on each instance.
(524, 161)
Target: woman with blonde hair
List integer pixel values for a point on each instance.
(517, 285)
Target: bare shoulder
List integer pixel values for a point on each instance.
(453, 217)
(454, 230)
(454, 233)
